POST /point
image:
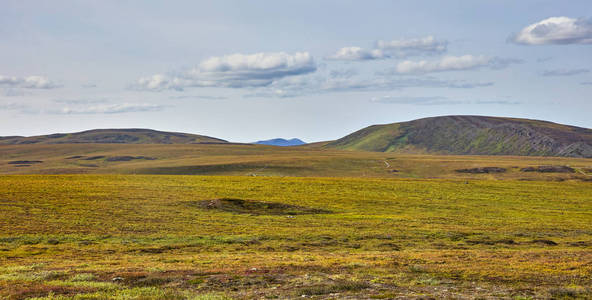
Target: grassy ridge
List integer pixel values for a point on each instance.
(475, 135)
(113, 136)
(145, 237)
(268, 161)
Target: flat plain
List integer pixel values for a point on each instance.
(89, 222)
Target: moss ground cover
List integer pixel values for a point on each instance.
(144, 237)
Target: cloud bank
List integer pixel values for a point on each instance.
(233, 71)
(323, 83)
(448, 63)
(393, 49)
(413, 47)
(29, 82)
(556, 30)
(453, 63)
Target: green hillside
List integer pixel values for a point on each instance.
(113, 136)
(475, 135)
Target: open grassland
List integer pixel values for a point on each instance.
(260, 160)
(218, 237)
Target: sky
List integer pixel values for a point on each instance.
(316, 70)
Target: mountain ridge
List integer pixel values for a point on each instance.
(113, 136)
(472, 135)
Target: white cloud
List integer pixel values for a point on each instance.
(357, 53)
(413, 47)
(564, 72)
(453, 63)
(393, 49)
(158, 82)
(29, 82)
(111, 108)
(234, 71)
(448, 63)
(556, 30)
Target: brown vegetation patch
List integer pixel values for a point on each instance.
(549, 169)
(252, 207)
(128, 158)
(338, 286)
(491, 242)
(482, 170)
(545, 242)
(24, 162)
(94, 157)
(26, 290)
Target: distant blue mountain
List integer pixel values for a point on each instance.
(281, 142)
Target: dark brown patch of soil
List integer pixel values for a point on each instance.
(24, 162)
(483, 170)
(549, 169)
(240, 206)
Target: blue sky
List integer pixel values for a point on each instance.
(316, 70)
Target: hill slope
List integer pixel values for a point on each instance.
(281, 142)
(113, 136)
(472, 135)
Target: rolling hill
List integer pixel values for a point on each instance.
(281, 142)
(473, 135)
(113, 136)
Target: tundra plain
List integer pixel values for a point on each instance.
(252, 221)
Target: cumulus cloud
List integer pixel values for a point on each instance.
(233, 71)
(29, 82)
(393, 49)
(564, 72)
(556, 30)
(454, 63)
(357, 53)
(111, 108)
